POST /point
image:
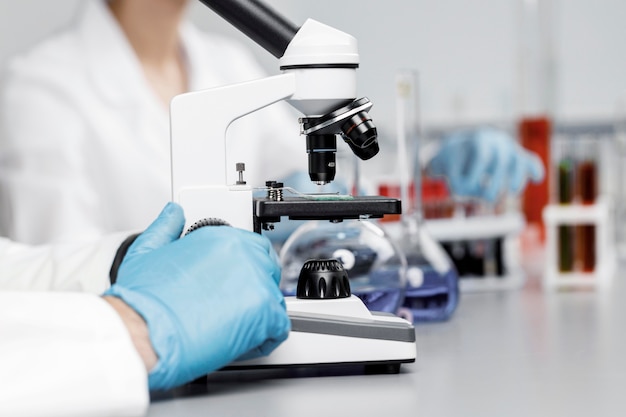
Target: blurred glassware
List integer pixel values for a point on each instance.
(619, 126)
(376, 267)
(432, 291)
(536, 94)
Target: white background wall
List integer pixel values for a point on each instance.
(465, 50)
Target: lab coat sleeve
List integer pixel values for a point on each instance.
(67, 354)
(82, 267)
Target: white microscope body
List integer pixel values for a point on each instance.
(318, 76)
(199, 120)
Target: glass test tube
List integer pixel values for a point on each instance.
(587, 185)
(620, 148)
(586, 250)
(408, 141)
(536, 96)
(534, 135)
(587, 170)
(407, 185)
(565, 194)
(565, 172)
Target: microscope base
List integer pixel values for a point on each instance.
(340, 332)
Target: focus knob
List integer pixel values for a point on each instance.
(209, 221)
(323, 279)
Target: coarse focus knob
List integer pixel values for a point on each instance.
(323, 279)
(208, 221)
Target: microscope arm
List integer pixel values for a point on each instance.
(199, 121)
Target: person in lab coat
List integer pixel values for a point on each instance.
(84, 125)
(169, 318)
(85, 139)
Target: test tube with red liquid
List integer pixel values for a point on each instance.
(587, 188)
(565, 171)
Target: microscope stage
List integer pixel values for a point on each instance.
(300, 208)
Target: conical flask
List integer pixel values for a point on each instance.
(432, 291)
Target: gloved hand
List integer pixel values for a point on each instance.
(485, 163)
(207, 298)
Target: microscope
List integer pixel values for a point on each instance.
(318, 78)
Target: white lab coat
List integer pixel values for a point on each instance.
(84, 141)
(67, 354)
(64, 353)
(77, 267)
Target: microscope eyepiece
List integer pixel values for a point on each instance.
(361, 135)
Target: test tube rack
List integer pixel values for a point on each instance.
(597, 215)
(506, 227)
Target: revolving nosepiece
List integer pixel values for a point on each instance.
(356, 128)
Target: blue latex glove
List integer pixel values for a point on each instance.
(485, 163)
(208, 298)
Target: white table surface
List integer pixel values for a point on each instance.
(520, 353)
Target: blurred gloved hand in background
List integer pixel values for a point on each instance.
(485, 163)
(208, 298)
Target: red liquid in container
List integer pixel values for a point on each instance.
(534, 134)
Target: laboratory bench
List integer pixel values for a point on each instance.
(524, 352)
